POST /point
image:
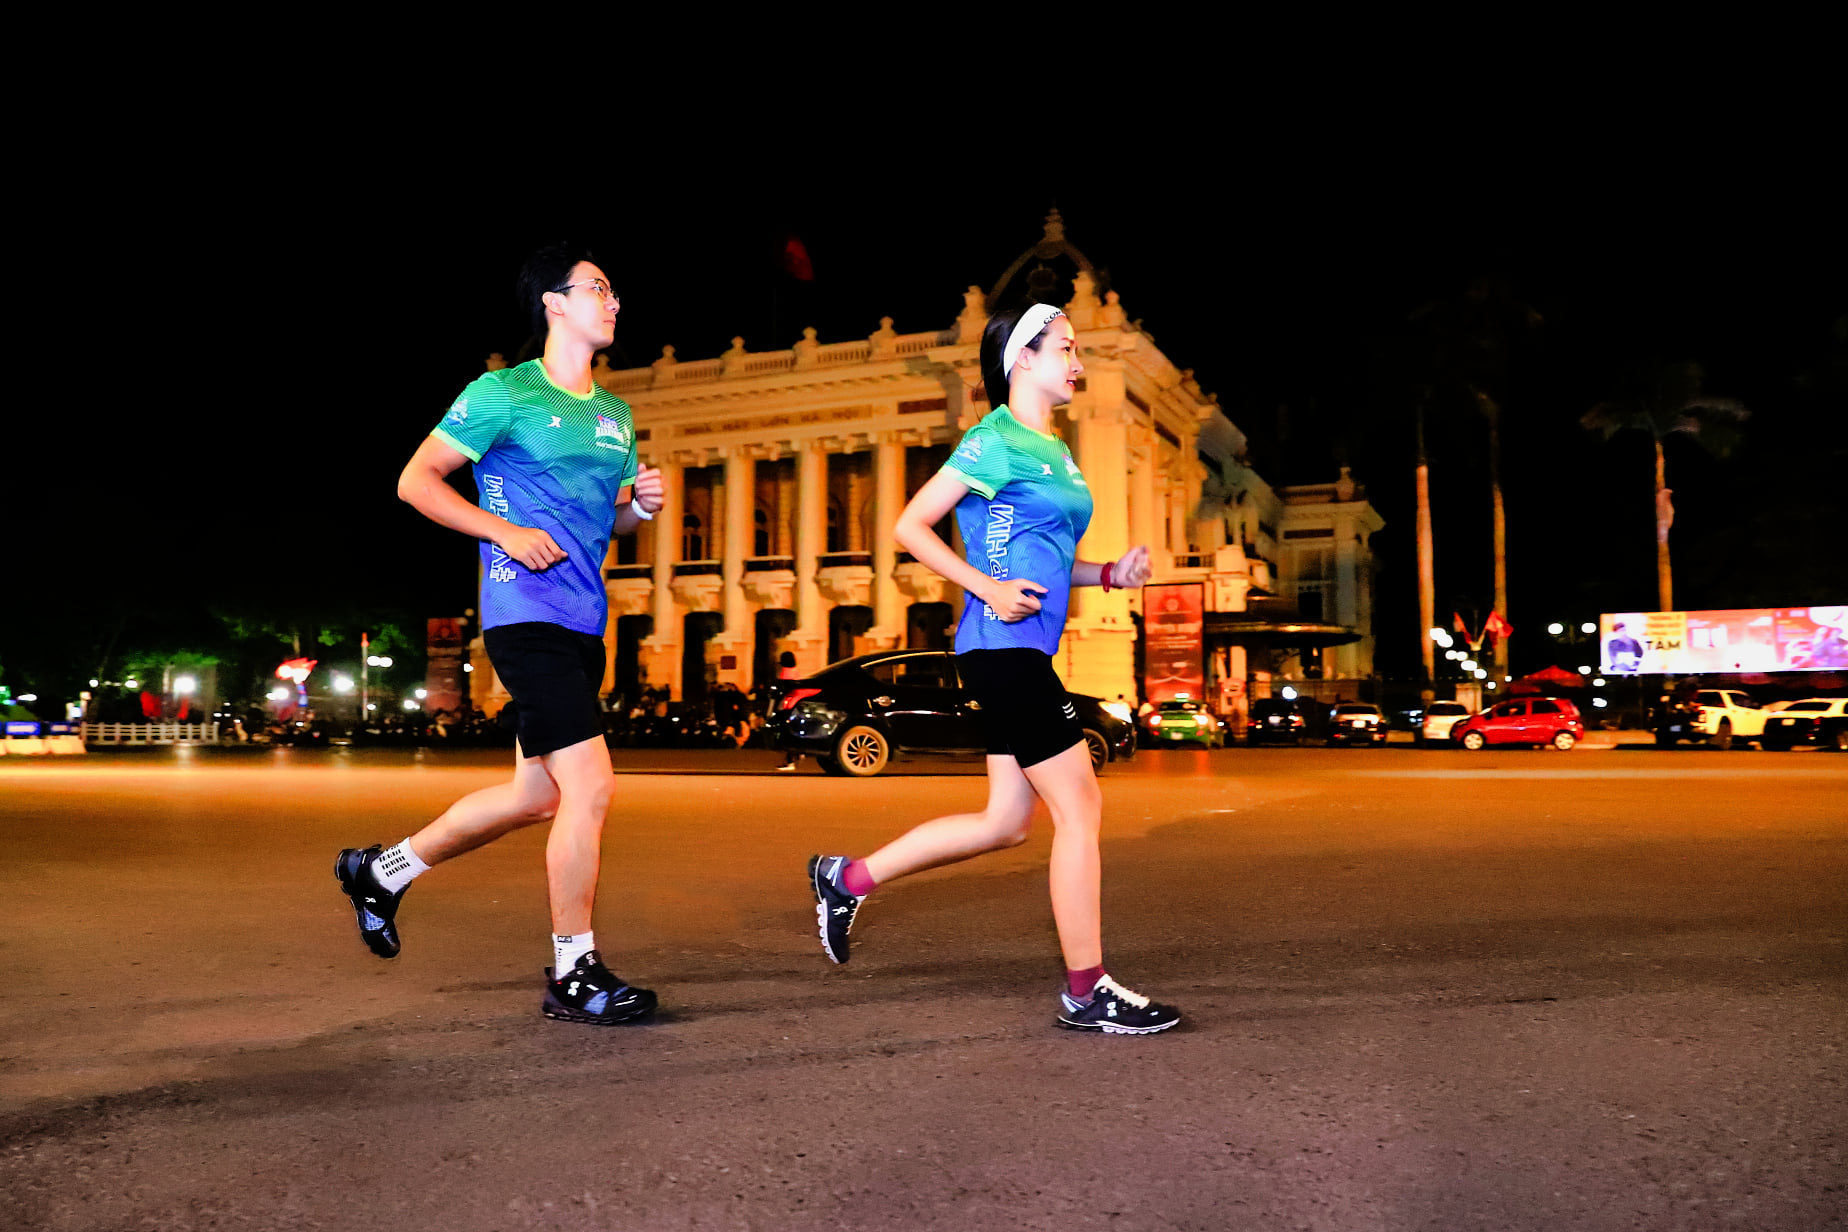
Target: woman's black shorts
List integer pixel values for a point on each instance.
(554, 674)
(1025, 708)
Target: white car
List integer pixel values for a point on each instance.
(1439, 718)
(1719, 717)
(1814, 720)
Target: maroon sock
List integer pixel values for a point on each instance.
(1082, 983)
(856, 880)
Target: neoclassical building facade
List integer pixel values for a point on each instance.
(786, 471)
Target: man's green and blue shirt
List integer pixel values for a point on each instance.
(550, 459)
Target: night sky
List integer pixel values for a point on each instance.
(312, 312)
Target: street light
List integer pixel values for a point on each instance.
(1556, 628)
(422, 693)
(1470, 665)
(1442, 638)
(1588, 627)
(1584, 671)
(343, 684)
(131, 683)
(184, 685)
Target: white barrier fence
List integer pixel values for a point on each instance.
(149, 733)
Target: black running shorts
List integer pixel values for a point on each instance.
(1025, 709)
(554, 674)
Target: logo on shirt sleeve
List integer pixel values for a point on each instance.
(971, 449)
(458, 411)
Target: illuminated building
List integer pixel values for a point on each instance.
(786, 471)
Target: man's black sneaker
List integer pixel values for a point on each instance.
(1115, 1010)
(592, 993)
(371, 904)
(834, 907)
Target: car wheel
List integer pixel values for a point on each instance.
(862, 751)
(1776, 746)
(1723, 738)
(1473, 741)
(1837, 740)
(1564, 740)
(1100, 750)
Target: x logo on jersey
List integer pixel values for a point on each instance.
(1045, 469)
(554, 423)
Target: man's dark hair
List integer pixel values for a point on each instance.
(549, 269)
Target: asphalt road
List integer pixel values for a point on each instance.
(1605, 989)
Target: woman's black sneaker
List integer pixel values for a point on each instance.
(592, 993)
(834, 907)
(1115, 1010)
(374, 908)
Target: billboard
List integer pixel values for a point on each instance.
(1173, 640)
(1752, 639)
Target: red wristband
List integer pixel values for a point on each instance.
(1103, 579)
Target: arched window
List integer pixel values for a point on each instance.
(692, 542)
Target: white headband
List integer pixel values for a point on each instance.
(1038, 317)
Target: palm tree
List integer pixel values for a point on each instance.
(1666, 400)
(1473, 338)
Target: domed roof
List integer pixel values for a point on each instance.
(1043, 283)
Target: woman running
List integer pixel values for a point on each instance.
(1021, 505)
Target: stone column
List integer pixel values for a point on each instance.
(888, 503)
(1098, 655)
(811, 633)
(1345, 601)
(740, 502)
(661, 649)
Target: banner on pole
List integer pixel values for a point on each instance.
(1173, 640)
(443, 676)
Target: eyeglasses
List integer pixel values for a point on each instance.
(602, 288)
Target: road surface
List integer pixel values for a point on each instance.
(1514, 990)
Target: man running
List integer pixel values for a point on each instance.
(555, 462)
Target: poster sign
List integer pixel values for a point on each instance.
(1173, 633)
(443, 676)
(1732, 640)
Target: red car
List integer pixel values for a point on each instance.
(1523, 720)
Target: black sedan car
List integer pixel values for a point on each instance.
(854, 717)
(1275, 720)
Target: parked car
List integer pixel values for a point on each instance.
(1717, 716)
(1356, 723)
(1814, 720)
(1523, 720)
(1184, 722)
(855, 716)
(1440, 721)
(1275, 720)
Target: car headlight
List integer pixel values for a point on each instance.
(1119, 709)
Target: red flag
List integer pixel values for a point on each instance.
(1460, 626)
(796, 261)
(1498, 626)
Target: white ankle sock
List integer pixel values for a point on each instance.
(567, 950)
(396, 867)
